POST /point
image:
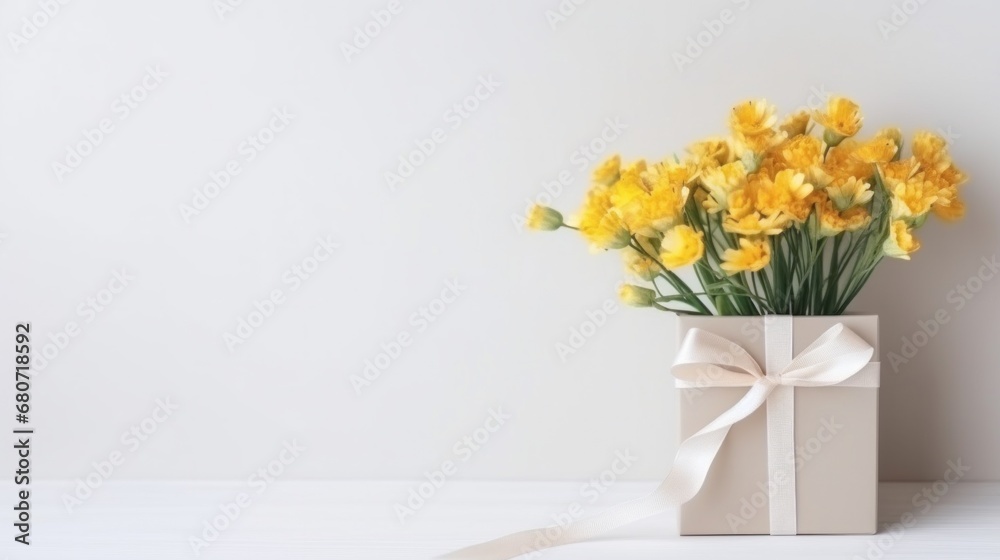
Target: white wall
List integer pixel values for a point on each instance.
(522, 294)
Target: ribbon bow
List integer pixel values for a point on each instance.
(709, 360)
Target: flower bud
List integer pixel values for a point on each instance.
(900, 243)
(893, 134)
(896, 136)
(636, 296)
(544, 218)
(638, 264)
(751, 161)
(832, 138)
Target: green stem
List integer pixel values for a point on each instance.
(768, 292)
(832, 276)
(863, 278)
(817, 278)
(674, 280)
(677, 311)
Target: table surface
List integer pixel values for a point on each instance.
(358, 521)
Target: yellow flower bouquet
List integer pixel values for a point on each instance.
(773, 218)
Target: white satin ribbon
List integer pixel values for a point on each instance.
(709, 360)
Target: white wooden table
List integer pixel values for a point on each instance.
(356, 521)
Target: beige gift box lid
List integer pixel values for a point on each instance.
(836, 440)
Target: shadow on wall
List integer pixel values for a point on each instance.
(934, 312)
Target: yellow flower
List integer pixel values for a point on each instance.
(779, 195)
(931, 151)
(638, 166)
(937, 169)
(609, 171)
(755, 224)
(947, 206)
(681, 246)
(856, 218)
(798, 211)
(720, 182)
(752, 256)
(636, 296)
(795, 124)
(544, 218)
(743, 201)
(802, 153)
(954, 210)
(712, 150)
(648, 209)
(913, 198)
(628, 194)
(953, 176)
(893, 134)
(900, 243)
(671, 173)
(752, 117)
(757, 143)
(842, 119)
(768, 167)
(896, 172)
(833, 222)
(663, 209)
(880, 149)
(601, 223)
(639, 265)
(946, 185)
(840, 162)
(849, 192)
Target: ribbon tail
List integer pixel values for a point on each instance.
(694, 458)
